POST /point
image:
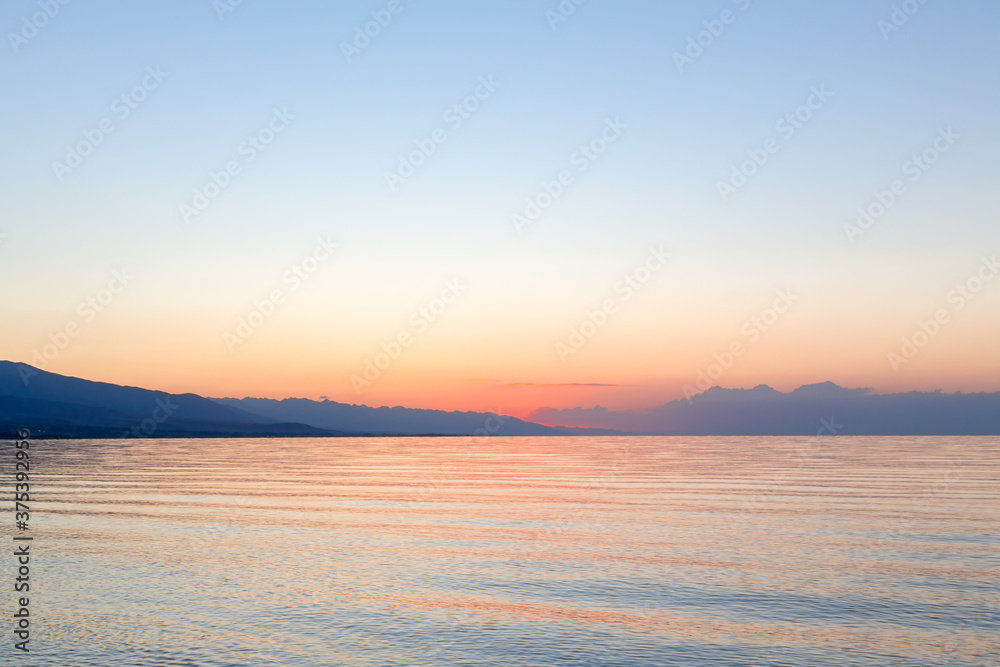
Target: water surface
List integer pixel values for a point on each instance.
(515, 551)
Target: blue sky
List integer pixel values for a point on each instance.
(325, 173)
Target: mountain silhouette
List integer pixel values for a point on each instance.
(808, 410)
(56, 406)
(51, 405)
(397, 420)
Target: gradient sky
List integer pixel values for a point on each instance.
(496, 346)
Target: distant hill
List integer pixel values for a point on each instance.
(765, 411)
(397, 420)
(56, 406)
(51, 405)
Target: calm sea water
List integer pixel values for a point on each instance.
(512, 551)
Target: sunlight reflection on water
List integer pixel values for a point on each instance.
(517, 551)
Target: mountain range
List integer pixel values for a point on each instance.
(51, 405)
(396, 421)
(807, 410)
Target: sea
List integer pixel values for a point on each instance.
(526, 551)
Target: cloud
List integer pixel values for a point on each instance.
(546, 385)
(565, 384)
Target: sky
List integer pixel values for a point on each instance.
(501, 205)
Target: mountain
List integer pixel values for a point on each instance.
(765, 411)
(51, 405)
(396, 421)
